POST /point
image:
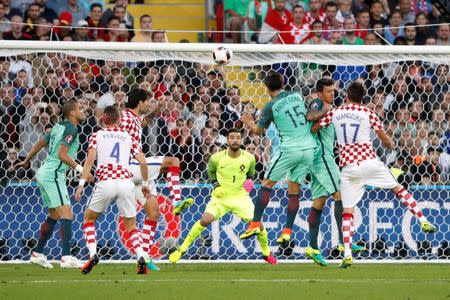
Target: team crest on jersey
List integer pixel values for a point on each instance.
(314, 105)
(242, 167)
(69, 138)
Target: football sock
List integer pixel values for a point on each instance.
(347, 231)
(264, 242)
(410, 203)
(45, 234)
(90, 237)
(66, 235)
(193, 234)
(292, 210)
(148, 235)
(338, 210)
(135, 241)
(173, 181)
(262, 200)
(314, 223)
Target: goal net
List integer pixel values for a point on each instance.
(407, 86)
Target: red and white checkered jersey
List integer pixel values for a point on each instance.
(131, 123)
(353, 123)
(309, 18)
(114, 147)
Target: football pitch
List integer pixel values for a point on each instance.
(229, 281)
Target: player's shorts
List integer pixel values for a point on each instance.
(121, 190)
(53, 191)
(325, 177)
(296, 165)
(355, 178)
(240, 205)
(154, 166)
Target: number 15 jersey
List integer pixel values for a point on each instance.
(288, 112)
(353, 123)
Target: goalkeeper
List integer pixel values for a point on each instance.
(231, 172)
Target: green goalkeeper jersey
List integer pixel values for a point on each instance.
(230, 172)
(63, 133)
(326, 136)
(288, 112)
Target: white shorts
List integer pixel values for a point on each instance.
(154, 166)
(121, 190)
(355, 178)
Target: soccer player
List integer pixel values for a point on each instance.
(230, 172)
(325, 179)
(112, 148)
(130, 121)
(63, 145)
(295, 155)
(360, 165)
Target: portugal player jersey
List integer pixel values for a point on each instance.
(230, 172)
(325, 138)
(353, 123)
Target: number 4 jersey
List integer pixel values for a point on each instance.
(353, 123)
(114, 148)
(288, 112)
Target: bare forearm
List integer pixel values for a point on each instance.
(35, 150)
(143, 166)
(315, 115)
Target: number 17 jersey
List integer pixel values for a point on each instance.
(288, 112)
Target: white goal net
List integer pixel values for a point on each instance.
(407, 86)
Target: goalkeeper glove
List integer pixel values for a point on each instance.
(248, 185)
(218, 191)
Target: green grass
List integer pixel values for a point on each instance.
(229, 281)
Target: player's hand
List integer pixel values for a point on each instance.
(248, 185)
(247, 119)
(78, 193)
(327, 106)
(218, 192)
(24, 164)
(145, 191)
(90, 179)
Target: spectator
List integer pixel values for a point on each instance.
(5, 24)
(10, 11)
(129, 20)
(159, 37)
(298, 30)
(376, 81)
(317, 34)
(217, 89)
(233, 110)
(362, 26)
(73, 6)
(330, 21)
(16, 30)
(63, 28)
(21, 63)
(43, 30)
(372, 39)
(315, 13)
(119, 11)
(393, 30)
(199, 116)
(377, 14)
(404, 8)
(12, 173)
(350, 38)
(335, 38)
(344, 10)
(399, 98)
(46, 12)
(423, 31)
(33, 15)
(427, 171)
(257, 13)
(430, 41)
(112, 32)
(145, 34)
(439, 122)
(81, 32)
(277, 19)
(93, 20)
(235, 15)
(410, 34)
(443, 34)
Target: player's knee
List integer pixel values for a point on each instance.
(170, 161)
(152, 209)
(206, 220)
(129, 223)
(268, 183)
(319, 203)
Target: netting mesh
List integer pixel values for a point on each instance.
(409, 92)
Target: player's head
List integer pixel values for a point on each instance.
(274, 81)
(111, 116)
(356, 92)
(234, 139)
(325, 89)
(138, 99)
(71, 111)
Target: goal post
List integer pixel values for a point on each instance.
(408, 86)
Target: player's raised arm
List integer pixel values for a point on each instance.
(248, 120)
(322, 123)
(35, 150)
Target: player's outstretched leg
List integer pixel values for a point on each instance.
(264, 243)
(347, 232)
(262, 200)
(173, 181)
(45, 234)
(193, 234)
(410, 203)
(91, 242)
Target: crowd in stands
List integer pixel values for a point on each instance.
(198, 104)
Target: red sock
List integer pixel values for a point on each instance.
(148, 235)
(347, 232)
(409, 202)
(173, 180)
